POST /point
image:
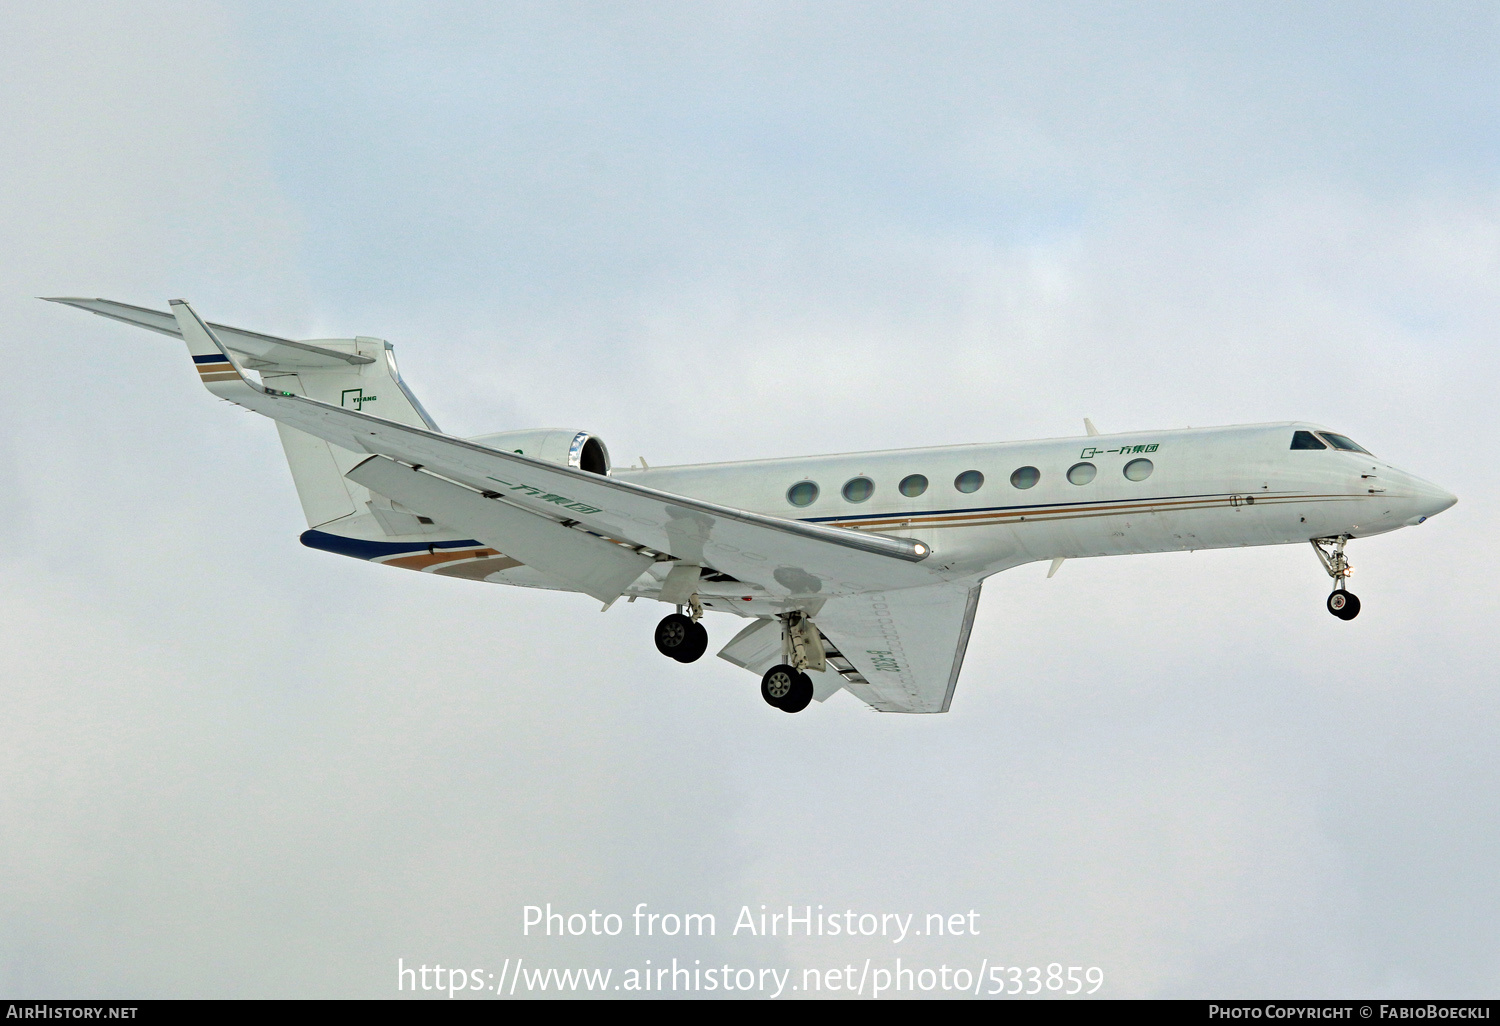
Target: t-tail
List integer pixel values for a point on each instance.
(357, 373)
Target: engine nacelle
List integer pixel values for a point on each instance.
(555, 445)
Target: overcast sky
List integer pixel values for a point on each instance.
(234, 766)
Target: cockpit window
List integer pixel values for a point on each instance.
(1344, 442)
(1306, 440)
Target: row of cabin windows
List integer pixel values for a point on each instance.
(1311, 440)
(858, 489)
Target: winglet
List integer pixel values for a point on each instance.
(220, 371)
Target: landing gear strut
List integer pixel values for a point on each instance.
(1342, 603)
(786, 686)
(682, 637)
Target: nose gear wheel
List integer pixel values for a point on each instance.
(1343, 604)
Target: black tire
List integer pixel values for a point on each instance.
(778, 684)
(695, 645)
(801, 694)
(1344, 605)
(673, 633)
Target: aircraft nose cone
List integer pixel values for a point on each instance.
(1440, 500)
(1431, 500)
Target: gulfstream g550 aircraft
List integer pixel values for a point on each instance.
(859, 571)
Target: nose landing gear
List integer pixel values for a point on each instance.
(1342, 603)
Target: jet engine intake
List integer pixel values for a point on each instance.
(555, 445)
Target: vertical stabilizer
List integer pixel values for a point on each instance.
(318, 468)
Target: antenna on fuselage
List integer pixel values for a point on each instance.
(1088, 427)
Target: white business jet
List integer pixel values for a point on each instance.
(858, 572)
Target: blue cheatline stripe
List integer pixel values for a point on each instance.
(211, 358)
(361, 549)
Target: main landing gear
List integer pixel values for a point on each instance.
(1342, 603)
(682, 637)
(785, 686)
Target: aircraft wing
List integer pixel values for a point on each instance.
(256, 350)
(801, 561)
(906, 647)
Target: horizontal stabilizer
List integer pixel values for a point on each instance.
(257, 351)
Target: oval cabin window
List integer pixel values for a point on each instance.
(859, 489)
(1082, 473)
(913, 485)
(968, 481)
(803, 493)
(1025, 477)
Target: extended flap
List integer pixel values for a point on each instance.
(580, 560)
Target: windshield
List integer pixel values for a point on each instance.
(1306, 440)
(1345, 443)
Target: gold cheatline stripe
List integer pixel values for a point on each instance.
(422, 560)
(1072, 512)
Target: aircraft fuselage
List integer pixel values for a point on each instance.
(1204, 488)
